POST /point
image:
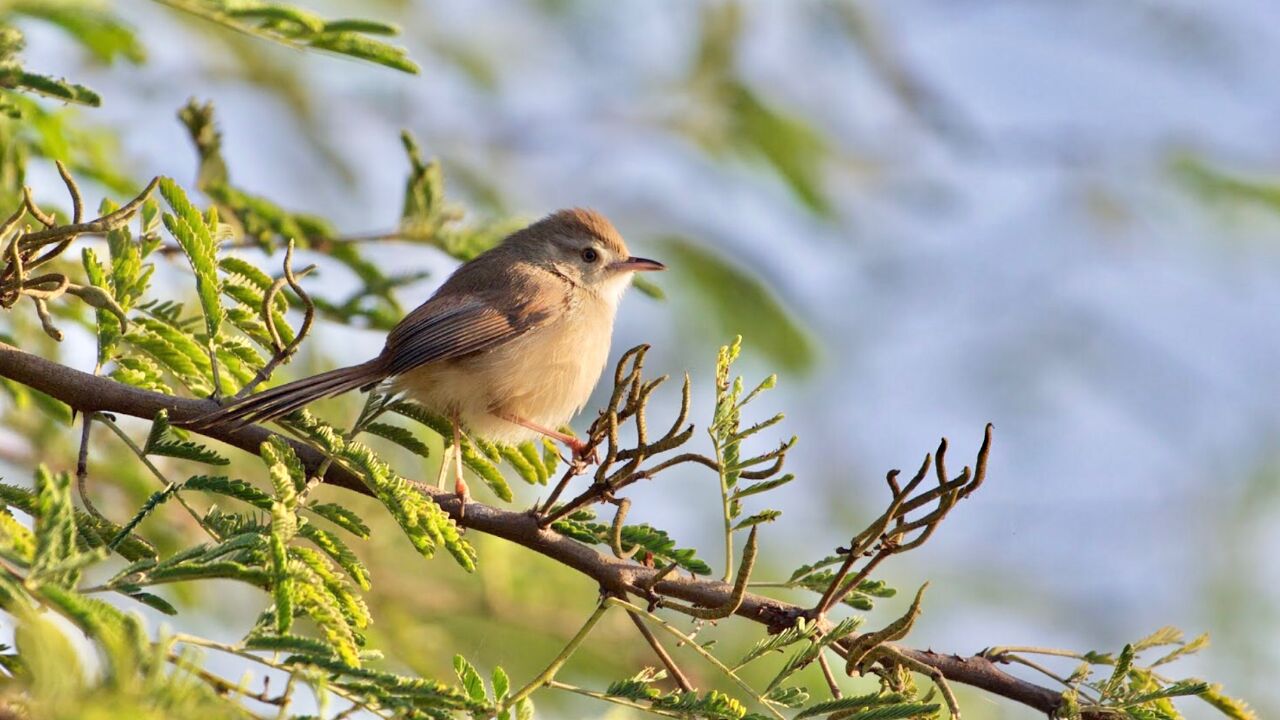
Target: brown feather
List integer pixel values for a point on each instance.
(280, 401)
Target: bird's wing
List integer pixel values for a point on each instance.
(448, 327)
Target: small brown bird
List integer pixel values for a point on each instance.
(510, 346)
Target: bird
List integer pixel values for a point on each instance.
(509, 347)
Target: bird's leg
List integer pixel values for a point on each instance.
(459, 485)
(579, 448)
(445, 463)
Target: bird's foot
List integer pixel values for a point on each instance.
(463, 493)
(583, 454)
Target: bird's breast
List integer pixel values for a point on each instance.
(544, 376)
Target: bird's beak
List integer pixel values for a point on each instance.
(636, 264)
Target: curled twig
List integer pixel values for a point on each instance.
(45, 219)
(739, 587)
(615, 533)
(21, 251)
(283, 352)
(628, 401)
(873, 648)
(98, 226)
(46, 320)
(891, 533)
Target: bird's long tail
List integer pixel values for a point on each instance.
(280, 401)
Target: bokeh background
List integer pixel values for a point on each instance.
(1060, 217)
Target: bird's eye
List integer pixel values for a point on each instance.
(590, 255)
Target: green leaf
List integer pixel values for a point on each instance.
(342, 517)
(250, 274)
(283, 526)
(1214, 184)
(155, 602)
(317, 600)
(519, 460)
(763, 486)
(764, 516)
(400, 436)
(142, 372)
(735, 302)
(792, 697)
(550, 456)
(815, 647)
(15, 538)
(335, 548)
(214, 570)
(1228, 706)
(1178, 689)
(425, 524)
(437, 423)
(288, 477)
(289, 643)
(651, 539)
(1124, 663)
(197, 237)
(16, 77)
(249, 319)
(501, 684)
(470, 679)
(91, 531)
(855, 702)
(859, 599)
(109, 330)
(173, 358)
(55, 526)
(354, 610)
(487, 472)
(1167, 635)
(95, 617)
(1193, 646)
(237, 489)
(364, 48)
(775, 643)
(164, 440)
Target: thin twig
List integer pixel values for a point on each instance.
(82, 467)
(668, 662)
(829, 676)
(169, 487)
(696, 647)
(283, 352)
(549, 673)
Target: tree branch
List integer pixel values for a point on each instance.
(87, 393)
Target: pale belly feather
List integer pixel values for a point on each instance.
(545, 377)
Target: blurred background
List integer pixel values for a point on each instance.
(1059, 217)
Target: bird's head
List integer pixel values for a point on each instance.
(583, 246)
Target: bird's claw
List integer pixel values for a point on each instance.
(583, 454)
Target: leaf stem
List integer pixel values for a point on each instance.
(693, 645)
(245, 654)
(549, 673)
(169, 487)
